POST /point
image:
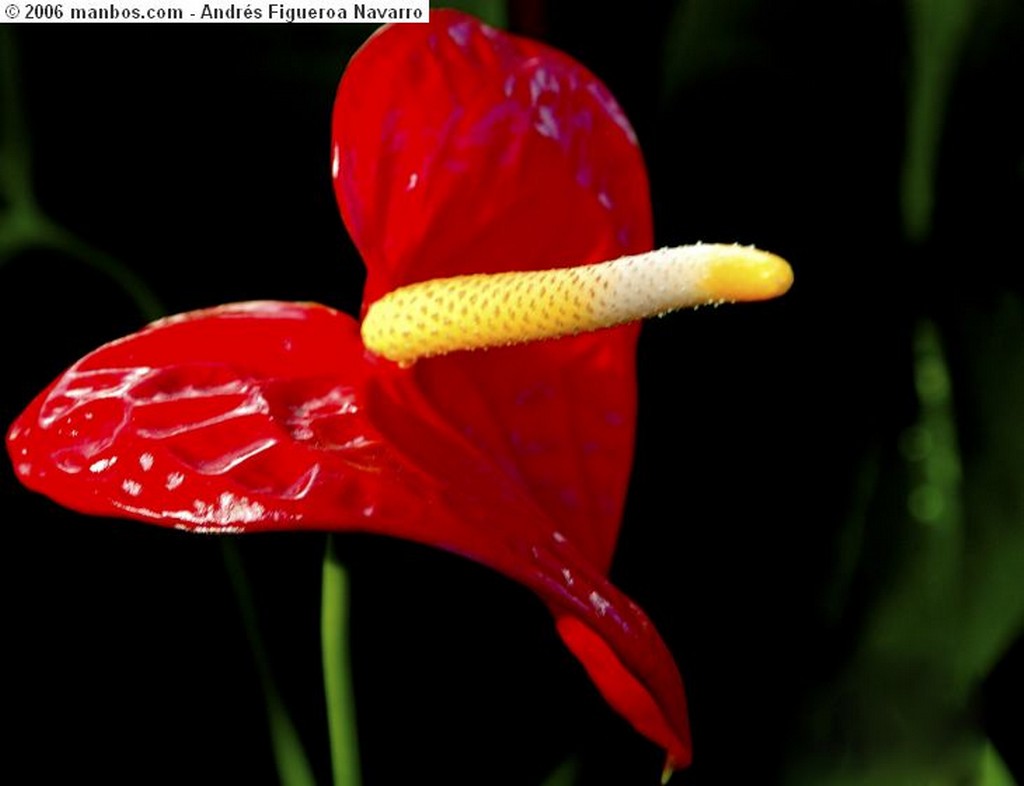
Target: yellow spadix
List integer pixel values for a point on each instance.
(498, 309)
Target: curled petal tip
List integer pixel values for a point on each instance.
(744, 273)
(645, 688)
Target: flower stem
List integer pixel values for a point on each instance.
(292, 765)
(341, 721)
(23, 225)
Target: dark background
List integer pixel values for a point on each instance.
(197, 156)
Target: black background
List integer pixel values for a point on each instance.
(198, 156)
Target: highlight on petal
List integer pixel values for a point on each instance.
(237, 418)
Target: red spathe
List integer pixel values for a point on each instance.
(456, 149)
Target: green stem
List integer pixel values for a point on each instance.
(144, 298)
(24, 225)
(15, 154)
(292, 765)
(341, 721)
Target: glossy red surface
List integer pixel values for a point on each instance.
(456, 148)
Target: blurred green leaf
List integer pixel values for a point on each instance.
(913, 623)
(938, 30)
(903, 711)
(706, 36)
(992, 370)
(992, 770)
(493, 12)
(564, 774)
(950, 601)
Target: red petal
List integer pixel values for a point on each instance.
(559, 422)
(485, 511)
(458, 148)
(243, 417)
(253, 416)
(625, 657)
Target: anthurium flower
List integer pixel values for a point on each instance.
(457, 150)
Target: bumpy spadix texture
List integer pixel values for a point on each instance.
(498, 309)
(456, 149)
